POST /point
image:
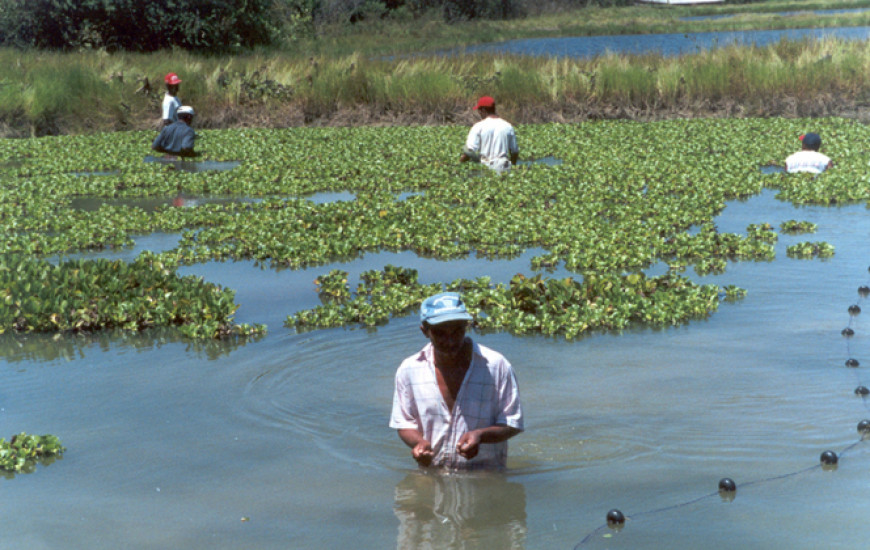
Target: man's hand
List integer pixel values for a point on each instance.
(423, 453)
(469, 445)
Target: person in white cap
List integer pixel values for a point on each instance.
(171, 101)
(456, 403)
(178, 138)
(491, 141)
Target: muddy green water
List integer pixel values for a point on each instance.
(283, 442)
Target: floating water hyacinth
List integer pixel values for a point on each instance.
(810, 250)
(604, 214)
(528, 304)
(22, 451)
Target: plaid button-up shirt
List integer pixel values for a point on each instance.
(489, 395)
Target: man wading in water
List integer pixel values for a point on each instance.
(456, 403)
(492, 141)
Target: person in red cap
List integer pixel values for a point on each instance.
(171, 101)
(492, 141)
(809, 159)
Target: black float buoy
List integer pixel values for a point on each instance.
(864, 291)
(864, 427)
(615, 518)
(727, 489)
(828, 458)
(852, 363)
(854, 310)
(847, 332)
(862, 391)
(727, 485)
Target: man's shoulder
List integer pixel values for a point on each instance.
(414, 361)
(492, 357)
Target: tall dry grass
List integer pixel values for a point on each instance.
(85, 91)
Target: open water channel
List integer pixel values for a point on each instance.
(283, 442)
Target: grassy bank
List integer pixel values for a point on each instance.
(53, 93)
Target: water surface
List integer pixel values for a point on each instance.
(665, 44)
(283, 442)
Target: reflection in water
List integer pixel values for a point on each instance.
(96, 173)
(546, 161)
(462, 511)
(193, 166)
(39, 347)
(771, 169)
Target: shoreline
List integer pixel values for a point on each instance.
(295, 116)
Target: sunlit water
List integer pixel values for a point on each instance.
(283, 442)
(667, 44)
(779, 13)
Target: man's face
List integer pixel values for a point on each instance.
(447, 338)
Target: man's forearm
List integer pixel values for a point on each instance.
(497, 433)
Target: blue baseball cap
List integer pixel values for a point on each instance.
(442, 308)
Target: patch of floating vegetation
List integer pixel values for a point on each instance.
(91, 204)
(526, 305)
(89, 295)
(807, 249)
(312, 196)
(23, 451)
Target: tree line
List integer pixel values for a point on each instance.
(227, 25)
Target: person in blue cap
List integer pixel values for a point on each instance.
(809, 159)
(456, 402)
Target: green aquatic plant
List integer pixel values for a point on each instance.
(795, 227)
(535, 304)
(23, 451)
(642, 203)
(89, 295)
(762, 232)
(808, 249)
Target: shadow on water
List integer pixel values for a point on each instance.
(194, 166)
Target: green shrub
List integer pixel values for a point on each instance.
(215, 25)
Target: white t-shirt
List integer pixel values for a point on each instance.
(170, 107)
(807, 161)
(494, 139)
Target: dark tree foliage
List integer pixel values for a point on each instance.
(136, 25)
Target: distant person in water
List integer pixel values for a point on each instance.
(177, 138)
(171, 101)
(808, 159)
(492, 141)
(456, 403)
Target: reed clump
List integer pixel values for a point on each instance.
(51, 93)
